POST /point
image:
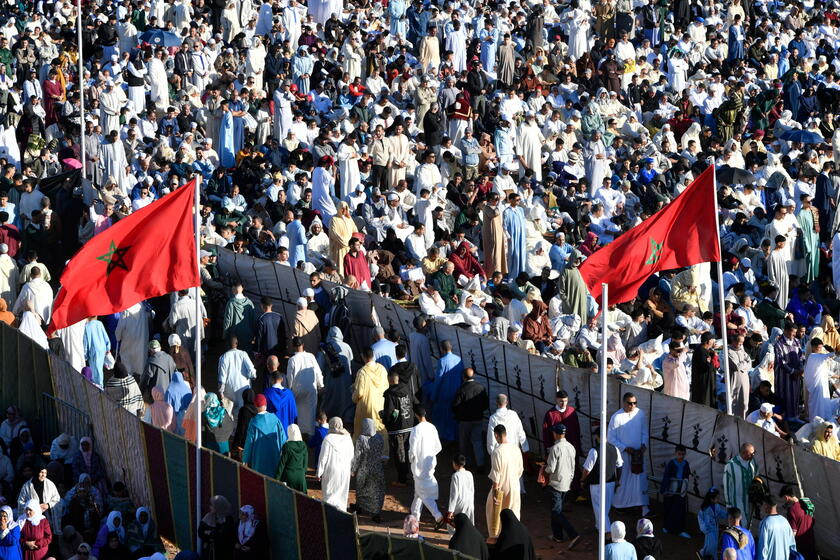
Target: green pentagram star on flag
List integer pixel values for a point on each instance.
(115, 257)
(655, 252)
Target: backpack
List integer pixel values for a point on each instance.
(340, 312)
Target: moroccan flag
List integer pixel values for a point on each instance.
(682, 233)
(146, 254)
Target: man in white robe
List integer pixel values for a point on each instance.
(334, 465)
(111, 101)
(132, 334)
(323, 183)
(293, 15)
(72, 339)
(596, 162)
(819, 369)
(348, 167)
(235, 374)
(423, 447)
(8, 276)
(777, 270)
(529, 143)
(159, 93)
(113, 161)
(628, 431)
(304, 378)
(456, 41)
(283, 99)
(38, 293)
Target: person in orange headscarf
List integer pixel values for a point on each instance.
(536, 326)
(6, 316)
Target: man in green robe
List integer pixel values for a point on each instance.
(264, 440)
(240, 319)
(572, 289)
(444, 282)
(808, 218)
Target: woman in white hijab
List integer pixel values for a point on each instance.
(335, 463)
(250, 535)
(318, 246)
(693, 133)
(538, 258)
(473, 315)
(35, 531)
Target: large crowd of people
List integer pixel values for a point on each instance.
(463, 159)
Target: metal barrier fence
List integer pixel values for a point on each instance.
(60, 416)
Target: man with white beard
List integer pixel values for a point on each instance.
(529, 144)
(201, 67)
(111, 101)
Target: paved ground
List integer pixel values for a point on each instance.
(536, 507)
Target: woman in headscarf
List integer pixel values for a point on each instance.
(619, 549)
(142, 538)
(89, 461)
(538, 259)
(181, 357)
(307, 327)
(216, 425)
(114, 549)
(189, 424)
(831, 336)
(243, 419)
(467, 539)
(369, 469)
(251, 537)
(179, 396)
(335, 359)
(334, 464)
(342, 228)
(514, 542)
(123, 388)
(646, 543)
(294, 460)
(41, 489)
(6, 316)
(83, 505)
(35, 532)
(218, 531)
(9, 536)
(537, 326)
(465, 262)
(161, 414)
(589, 245)
(113, 525)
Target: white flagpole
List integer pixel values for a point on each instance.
(726, 376)
(602, 451)
(81, 85)
(198, 319)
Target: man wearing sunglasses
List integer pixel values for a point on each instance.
(628, 431)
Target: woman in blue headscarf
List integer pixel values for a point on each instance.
(179, 396)
(216, 425)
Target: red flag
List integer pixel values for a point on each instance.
(682, 233)
(146, 254)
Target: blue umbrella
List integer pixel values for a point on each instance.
(804, 136)
(161, 38)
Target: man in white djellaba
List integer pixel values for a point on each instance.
(628, 431)
(423, 447)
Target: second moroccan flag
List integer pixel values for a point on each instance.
(146, 254)
(683, 233)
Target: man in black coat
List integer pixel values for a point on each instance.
(398, 418)
(469, 405)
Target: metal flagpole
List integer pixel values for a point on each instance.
(198, 325)
(602, 451)
(722, 308)
(81, 90)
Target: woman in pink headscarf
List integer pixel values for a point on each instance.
(161, 413)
